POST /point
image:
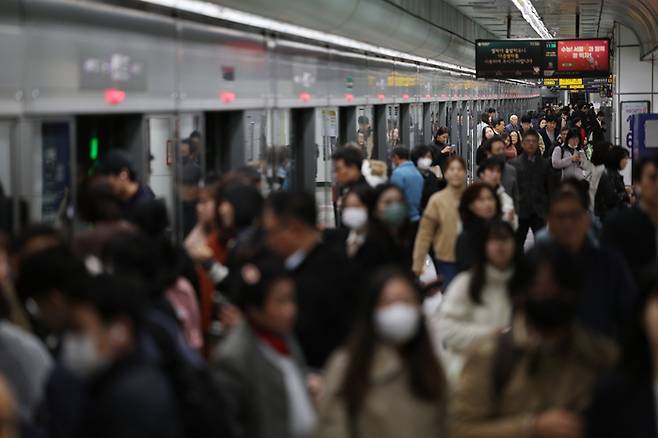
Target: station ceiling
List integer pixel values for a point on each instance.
(597, 18)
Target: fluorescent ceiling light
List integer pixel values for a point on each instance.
(532, 17)
(213, 10)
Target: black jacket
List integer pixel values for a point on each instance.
(633, 234)
(607, 200)
(597, 132)
(549, 142)
(534, 181)
(132, 399)
(439, 158)
(623, 406)
(380, 249)
(325, 302)
(608, 295)
(431, 185)
(617, 182)
(480, 155)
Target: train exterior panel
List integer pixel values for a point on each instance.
(83, 76)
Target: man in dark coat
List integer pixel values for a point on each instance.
(123, 179)
(608, 296)
(128, 396)
(632, 231)
(534, 180)
(549, 134)
(321, 272)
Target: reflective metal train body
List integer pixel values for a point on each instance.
(81, 78)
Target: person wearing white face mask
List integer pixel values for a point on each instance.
(369, 244)
(127, 395)
(387, 382)
(432, 176)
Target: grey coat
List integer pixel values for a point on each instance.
(255, 389)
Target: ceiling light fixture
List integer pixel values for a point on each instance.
(213, 10)
(532, 17)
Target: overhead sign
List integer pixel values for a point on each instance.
(508, 58)
(101, 70)
(531, 59)
(568, 82)
(577, 58)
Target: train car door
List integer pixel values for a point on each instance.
(189, 170)
(13, 208)
(326, 137)
(364, 129)
(415, 125)
(161, 155)
(44, 164)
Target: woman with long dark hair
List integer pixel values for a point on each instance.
(603, 198)
(477, 302)
(513, 148)
(481, 153)
(617, 161)
(441, 150)
(479, 205)
(387, 383)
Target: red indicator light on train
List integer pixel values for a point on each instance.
(114, 96)
(349, 97)
(380, 97)
(227, 96)
(405, 96)
(304, 97)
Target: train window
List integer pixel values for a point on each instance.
(277, 163)
(55, 171)
(392, 128)
(189, 171)
(364, 131)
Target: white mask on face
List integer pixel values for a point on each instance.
(355, 217)
(424, 163)
(397, 323)
(80, 356)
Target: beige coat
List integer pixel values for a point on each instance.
(438, 226)
(560, 379)
(389, 411)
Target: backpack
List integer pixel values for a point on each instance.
(431, 185)
(201, 406)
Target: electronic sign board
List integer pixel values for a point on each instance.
(577, 58)
(509, 59)
(533, 59)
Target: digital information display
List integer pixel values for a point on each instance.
(509, 59)
(532, 59)
(577, 58)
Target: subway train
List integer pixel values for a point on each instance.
(82, 78)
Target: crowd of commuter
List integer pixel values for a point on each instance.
(524, 304)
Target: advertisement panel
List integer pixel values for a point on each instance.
(576, 58)
(583, 56)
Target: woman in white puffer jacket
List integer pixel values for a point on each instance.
(477, 303)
